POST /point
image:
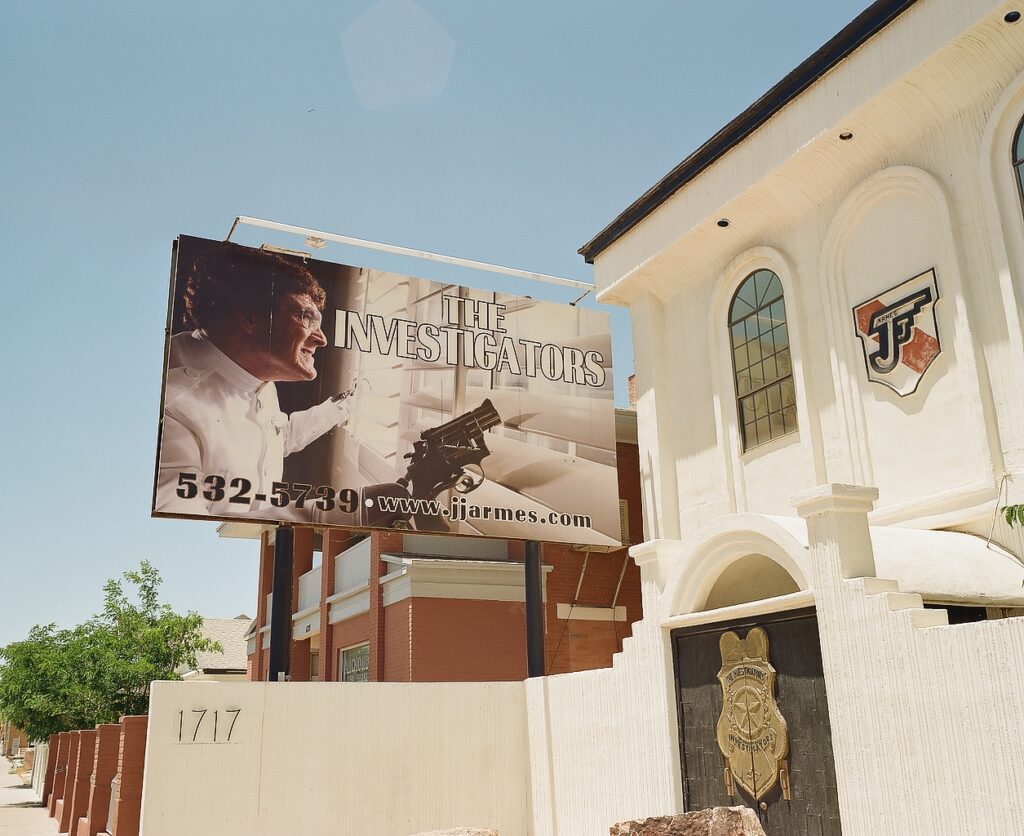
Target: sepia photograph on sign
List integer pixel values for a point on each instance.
(298, 390)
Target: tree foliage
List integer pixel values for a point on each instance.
(61, 679)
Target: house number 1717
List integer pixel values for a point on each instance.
(191, 728)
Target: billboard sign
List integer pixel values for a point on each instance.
(303, 391)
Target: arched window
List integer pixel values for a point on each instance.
(761, 360)
(1018, 158)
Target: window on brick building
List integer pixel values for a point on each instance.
(354, 664)
(761, 360)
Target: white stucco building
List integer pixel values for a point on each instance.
(826, 303)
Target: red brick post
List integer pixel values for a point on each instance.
(60, 772)
(104, 767)
(62, 806)
(381, 542)
(302, 562)
(51, 766)
(335, 542)
(127, 794)
(77, 797)
(259, 658)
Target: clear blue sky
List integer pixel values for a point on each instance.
(504, 132)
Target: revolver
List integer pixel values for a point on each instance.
(444, 457)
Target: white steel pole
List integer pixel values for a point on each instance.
(396, 250)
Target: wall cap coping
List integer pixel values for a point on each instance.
(487, 580)
(351, 592)
(303, 613)
(355, 602)
(650, 550)
(575, 612)
(834, 497)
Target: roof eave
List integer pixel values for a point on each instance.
(857, 32)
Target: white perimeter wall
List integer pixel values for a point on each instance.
(381, 759)
(925, 717)
(39, 769)
(567, 755)
(603, 743)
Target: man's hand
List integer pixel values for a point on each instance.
(348, 393)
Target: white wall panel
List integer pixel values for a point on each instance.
(388, 759)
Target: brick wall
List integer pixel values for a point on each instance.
(465, 640)
(94, 770)
(62, 805)
(429, 639)
(302, 562)
(384, 542)
(131, 756)
(105, 751)
(334, 543)
(60, 773)
(259, 661)
(426, 639)
(573, 644)
(397, 654)
(78, 796)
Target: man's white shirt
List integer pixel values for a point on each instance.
(221, 420)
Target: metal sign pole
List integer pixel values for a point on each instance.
(317, 238)
(534, 611)
(280, 615)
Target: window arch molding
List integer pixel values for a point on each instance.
(1017, 159)
(719, 544)
(1004, 201)
(847, 431)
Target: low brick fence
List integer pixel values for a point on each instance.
(93, 779)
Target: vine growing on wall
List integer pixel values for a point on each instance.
(1013, 514)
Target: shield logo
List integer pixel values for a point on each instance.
(751, 731)
(899, 334)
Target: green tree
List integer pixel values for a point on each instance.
(62, 679)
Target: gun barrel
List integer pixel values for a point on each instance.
(473, 423)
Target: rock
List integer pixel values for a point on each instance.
(716, 821)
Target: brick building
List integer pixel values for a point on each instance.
(406, 607)
(12, 739)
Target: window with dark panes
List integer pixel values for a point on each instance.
(761, 359)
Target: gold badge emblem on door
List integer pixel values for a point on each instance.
(751, 732)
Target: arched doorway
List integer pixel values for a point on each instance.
(750, 690)
(751, 578)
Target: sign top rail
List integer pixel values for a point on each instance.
(314, 235)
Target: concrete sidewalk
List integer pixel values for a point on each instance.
(19, 813)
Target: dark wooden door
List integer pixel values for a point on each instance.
(795, 653)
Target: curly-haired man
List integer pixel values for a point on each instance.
(255, 319)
